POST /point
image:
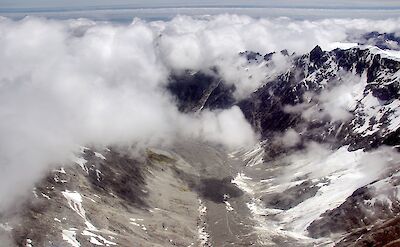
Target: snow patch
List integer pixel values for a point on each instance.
(340, 45)
(82, 163)
(97, 239)
(99, 155)
(203, 236)
(28, 243)
(75, 202)
(228, 206)
(70, 237)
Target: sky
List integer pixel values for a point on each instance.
(77, 4)
(125, 10)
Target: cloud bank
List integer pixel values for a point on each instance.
(79, 82)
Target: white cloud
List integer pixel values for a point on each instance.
(336, 102)
(290, 138)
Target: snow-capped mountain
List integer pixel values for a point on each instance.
(326, 172)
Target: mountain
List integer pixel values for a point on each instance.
(325, 173)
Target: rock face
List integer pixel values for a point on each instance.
(325, 173)
(194, 91)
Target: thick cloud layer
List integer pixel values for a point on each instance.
(77, 82)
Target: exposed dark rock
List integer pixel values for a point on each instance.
(317, 56)
(217, 190)
(194, 91)
(292, 196)
(118, 174)
(385, 234)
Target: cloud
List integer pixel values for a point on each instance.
(290, 138)
(77, 82)
(334, 103)
(66, 84)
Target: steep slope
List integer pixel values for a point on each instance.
(112, 199)
(331, 188)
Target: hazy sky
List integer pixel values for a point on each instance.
(78, 4)
(124, 10)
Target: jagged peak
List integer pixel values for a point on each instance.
(316, 53)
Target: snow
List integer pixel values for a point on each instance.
(70, 237)
(98, 172)
(371, 109)
(228, 206)
(382, 198)
(97, 239)
(90, 199)
(83, 149)
(82, 163)
(46, 196)
(243, 182)
(75, 202)
(337, 173)
(254, 156)
(340, 45)
(58, 180)
(391, 54)
(346, 171)
(394, 119)
(99, 155)
(203, 235)
(268, 230)
(133, 222)
(28, 243)
(61, 170)
(35, 193)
